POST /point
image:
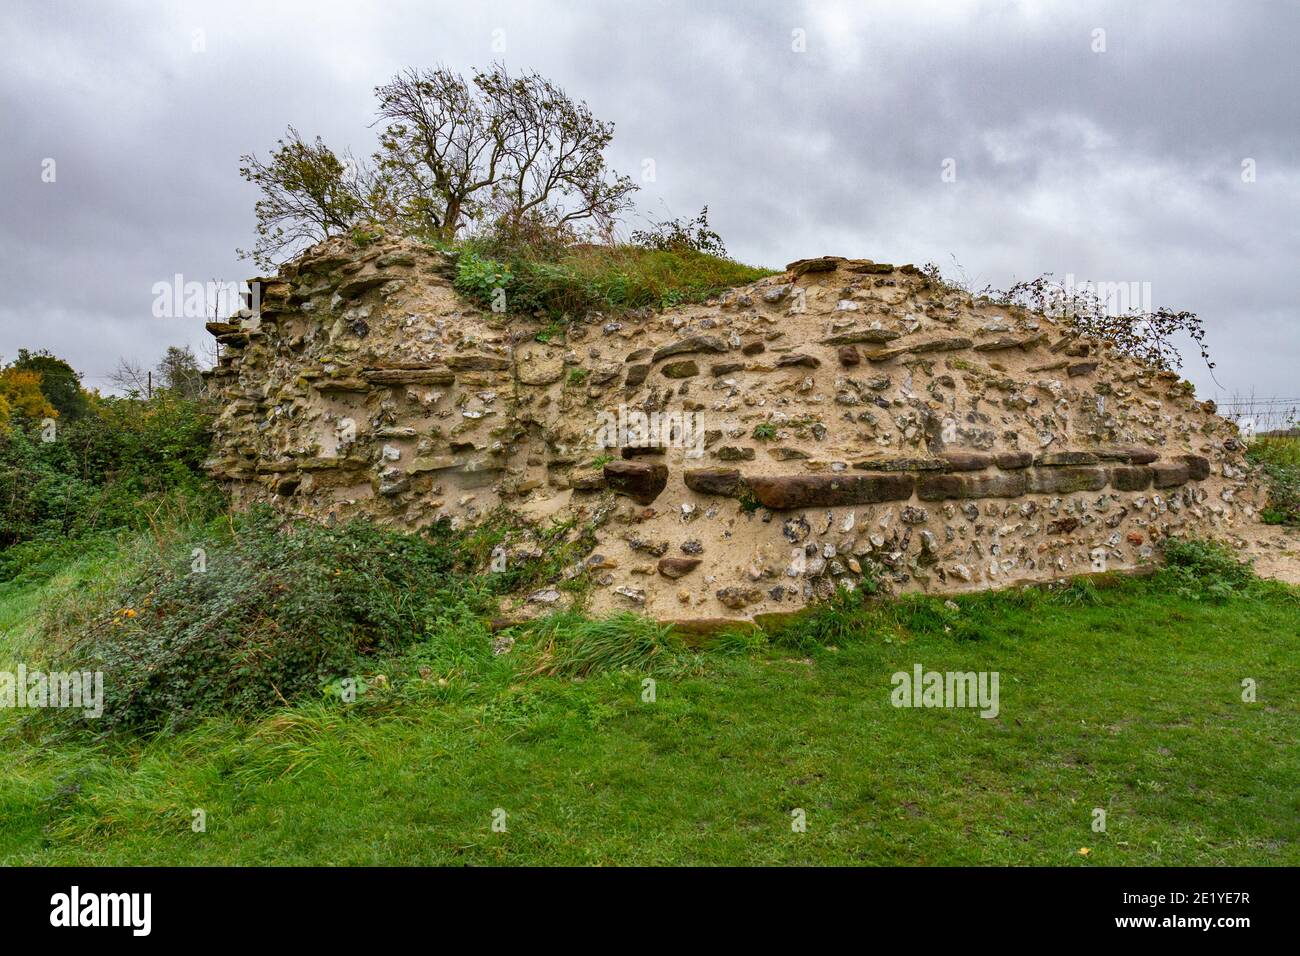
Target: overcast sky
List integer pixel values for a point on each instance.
(808, 129)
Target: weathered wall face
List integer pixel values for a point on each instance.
(844, 413)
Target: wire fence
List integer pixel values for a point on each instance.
(1262, 416)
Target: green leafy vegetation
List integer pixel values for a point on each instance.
(1280, 459)
(124, 464)
(587, 278)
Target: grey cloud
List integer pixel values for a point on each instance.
(1116, 166)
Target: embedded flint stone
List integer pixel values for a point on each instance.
(695, 343)
(781, 493)
(943, 487)
(1170, 474)
(1081, 368)
(1062, 525)
(1130, 477)
(798, 360)
(713, 481)
(642, 481)
(1066, 480)
(686, 368)
(636, 374)
(677, 567)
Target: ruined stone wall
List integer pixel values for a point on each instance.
(844, 414)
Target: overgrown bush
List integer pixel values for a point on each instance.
(673, 235)
(1204, 570)
(1280, 459)
(272, 612)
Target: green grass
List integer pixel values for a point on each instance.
(588, 278)
(1125, 697)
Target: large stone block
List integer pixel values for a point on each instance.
(945, 487)
(1197, 467)
(1013, 459)
(409, 376)
(899, 464)
(713, 481)
(823, 491)
(862, 337)
(686, 368)
(642, 481)
(694, 343)
(1066, 480)
(636, 374)
(966, 460)
(1129, 456)
(1130, 477)
(1170, 474)
(919, 348)
(1055, 459)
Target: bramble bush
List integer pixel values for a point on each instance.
(275, 612)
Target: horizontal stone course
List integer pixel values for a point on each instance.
(1170, 474)
(1053, 459)
(965, 460)
(695, 343)
(1011, 460)
(899, 464)
(998, 485)
(714, 481)
(1065, 480)
(1130, 477)
(784, 492)
(409, 376)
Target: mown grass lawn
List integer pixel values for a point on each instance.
(1130, 701)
